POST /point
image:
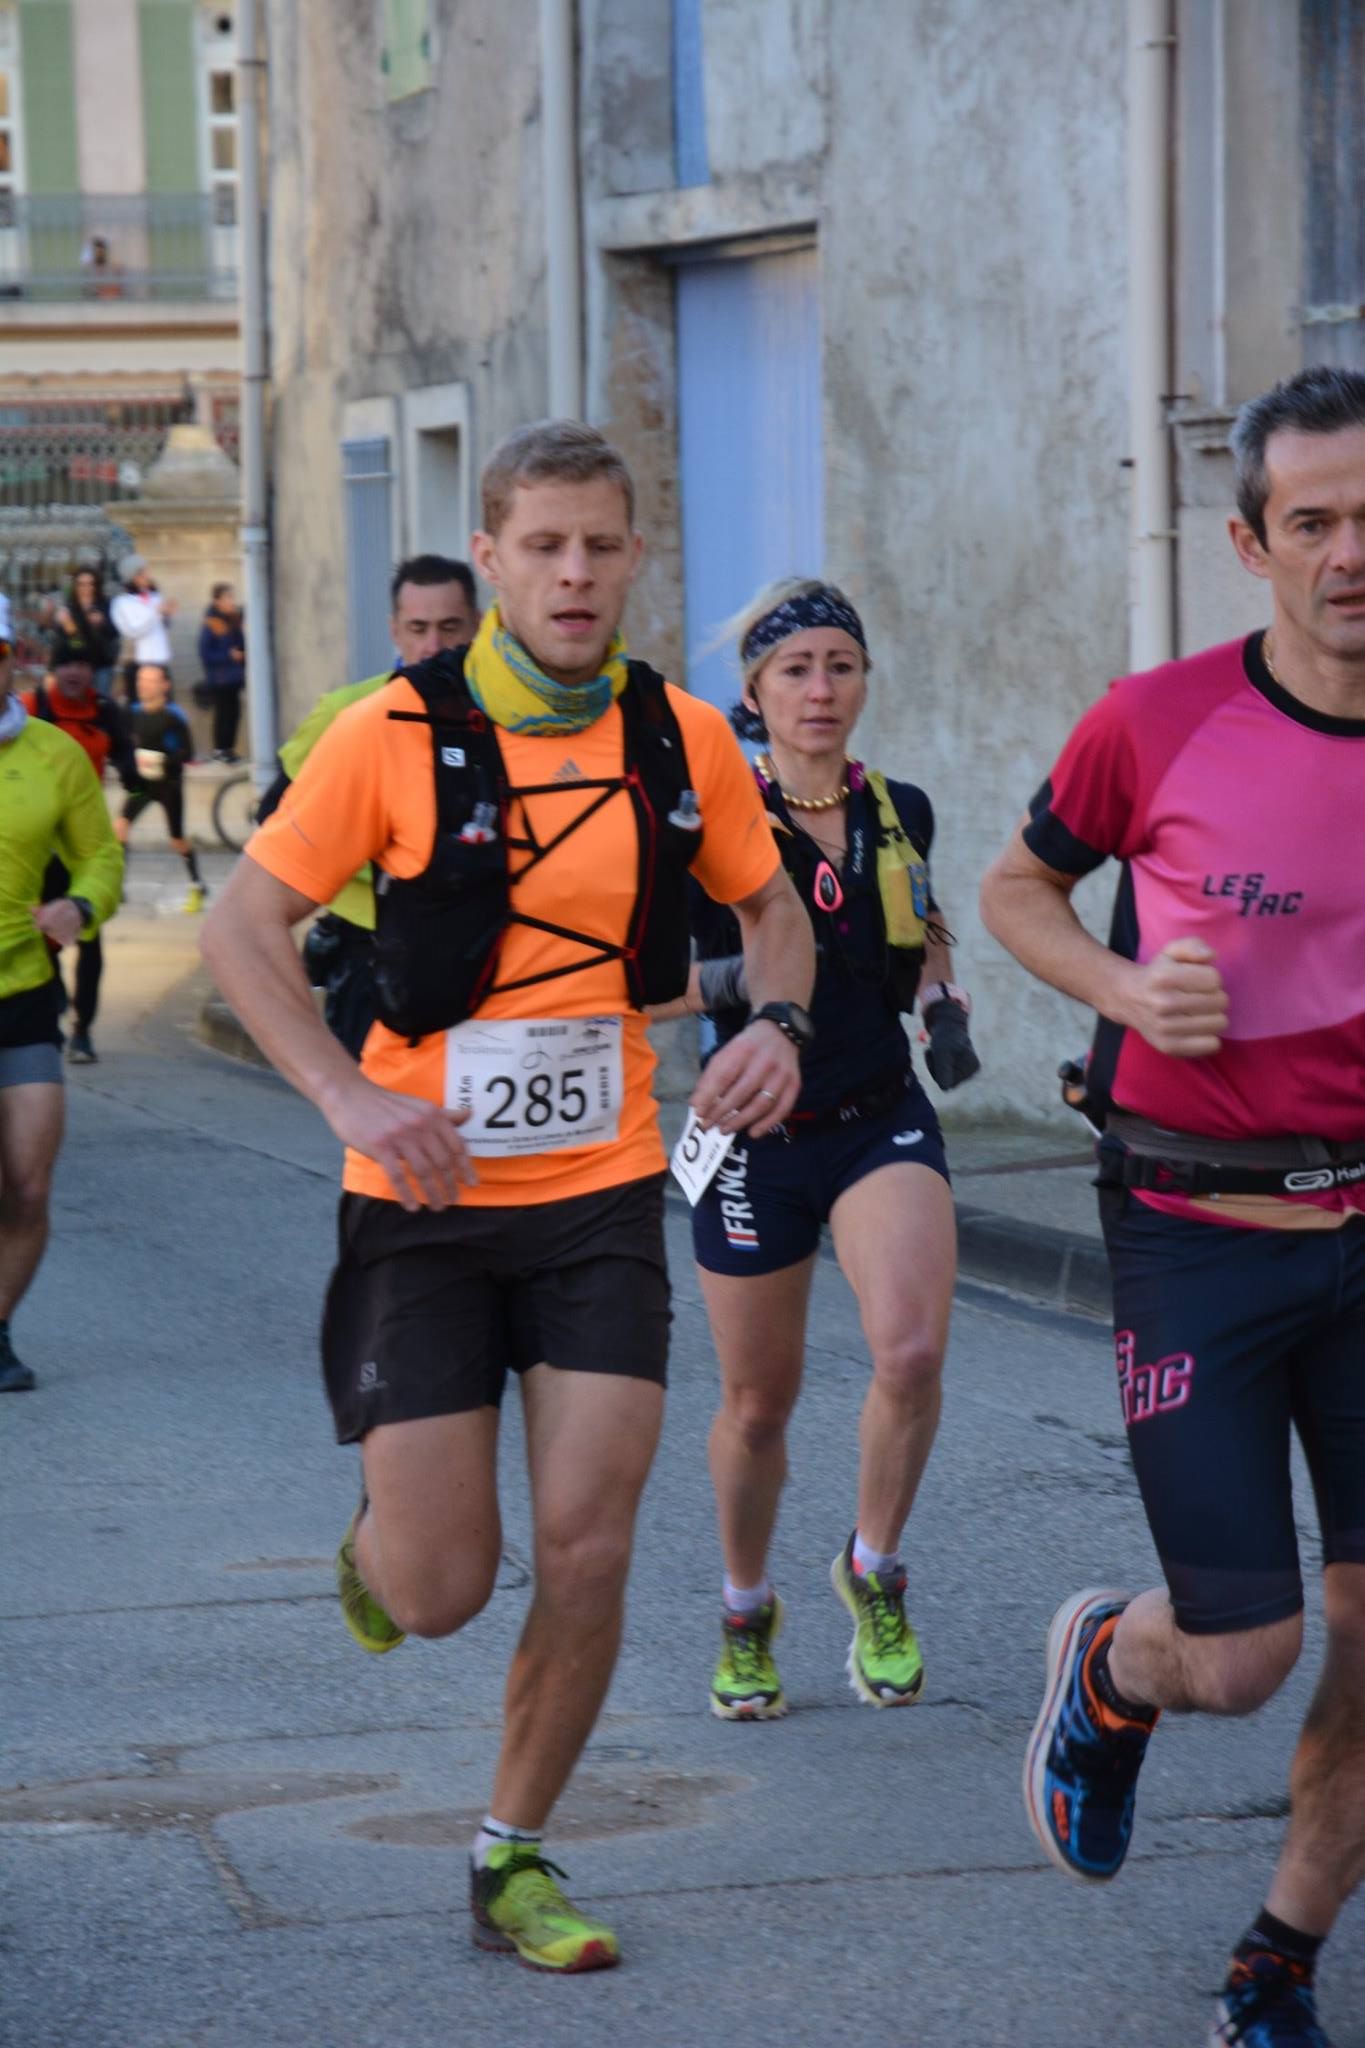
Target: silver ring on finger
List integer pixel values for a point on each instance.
(767, 1094)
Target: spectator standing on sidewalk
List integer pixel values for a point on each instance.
(85, 631)
(68, 698)
(142, 615)
(222, 654)
(51, 804)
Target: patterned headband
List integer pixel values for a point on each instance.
(797, 615)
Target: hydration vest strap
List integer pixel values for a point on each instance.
(531, 844)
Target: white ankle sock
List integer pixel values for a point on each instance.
(878, 1561)
(495, 1831)
(746, 1599)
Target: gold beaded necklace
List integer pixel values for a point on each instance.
(801, 803)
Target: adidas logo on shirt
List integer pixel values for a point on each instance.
(567, 771)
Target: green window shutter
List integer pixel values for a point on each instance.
(407, 47)
(176, 224)
(170, 95)
(49, 89)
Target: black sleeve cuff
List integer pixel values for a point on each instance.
(1050, 841)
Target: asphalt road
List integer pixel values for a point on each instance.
(222, 1826)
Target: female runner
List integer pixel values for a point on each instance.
(862, 1151)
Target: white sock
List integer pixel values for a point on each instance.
(884, 1564)
(494, 1831)
(747, 1599)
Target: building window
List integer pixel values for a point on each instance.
(1333, 107)
(10, 184)
(691, 164)
(367, 481)
(218, 105)
(407, 47)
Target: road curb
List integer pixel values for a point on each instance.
(220, 1027)
(1059, 1268)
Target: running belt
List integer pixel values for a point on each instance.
(1181, 1163)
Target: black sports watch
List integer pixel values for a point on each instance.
(86, 909)
(791, 1020)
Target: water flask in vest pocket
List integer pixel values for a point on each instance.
(687, 813)
(482, 828)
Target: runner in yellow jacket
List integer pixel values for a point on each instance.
(435, 604)
(51, 804)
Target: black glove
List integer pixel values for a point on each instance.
(951, 1058)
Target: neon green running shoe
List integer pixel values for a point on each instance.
(362, 1614)
(519, 1910)
(746, 1686)
(884, 1664)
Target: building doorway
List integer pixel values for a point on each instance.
(751, 457)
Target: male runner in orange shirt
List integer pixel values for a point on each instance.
(504, 1172)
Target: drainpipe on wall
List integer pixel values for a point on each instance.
(1151, 605)
(563, 233)
(260, 665)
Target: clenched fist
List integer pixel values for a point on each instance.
(1177, 1001)
(417, 1143)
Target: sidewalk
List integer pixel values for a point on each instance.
(1026, 1209)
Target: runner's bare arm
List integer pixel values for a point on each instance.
(752, 1082)
(253, 959)
(1176, 1001)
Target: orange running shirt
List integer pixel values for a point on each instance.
(367, 792)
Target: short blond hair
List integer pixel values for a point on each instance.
(559, 451)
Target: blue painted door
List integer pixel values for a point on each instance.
(751, 459)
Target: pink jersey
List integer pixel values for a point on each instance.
(1239, 815)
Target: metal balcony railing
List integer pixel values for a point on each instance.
(82, 246)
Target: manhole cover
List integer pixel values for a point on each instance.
(185, 1797)
(593, 1806)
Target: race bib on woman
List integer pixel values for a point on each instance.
(541, 1084)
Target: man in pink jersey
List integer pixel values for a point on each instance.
(1230, 1058)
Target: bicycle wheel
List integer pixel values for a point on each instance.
(234, 810)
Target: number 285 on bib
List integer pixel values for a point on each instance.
(541, 1084)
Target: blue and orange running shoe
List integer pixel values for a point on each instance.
(1267, 2003)
(1080, 1773)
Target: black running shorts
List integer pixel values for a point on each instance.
(427, 1312)
(1227, 1339)
(170, 794)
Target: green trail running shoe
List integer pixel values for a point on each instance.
(884, 1664)
(746, 1686)
(363, 1616)
(519, 1910)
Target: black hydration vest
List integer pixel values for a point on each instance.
(897, 969)
(438, 935)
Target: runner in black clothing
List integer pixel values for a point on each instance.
(862, 1151)
(162, 749)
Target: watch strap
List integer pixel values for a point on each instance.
(944, 992)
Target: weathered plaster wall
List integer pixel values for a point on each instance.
(973, 263)
(962, 163)
(406, 251)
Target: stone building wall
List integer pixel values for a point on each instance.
(960, 165)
